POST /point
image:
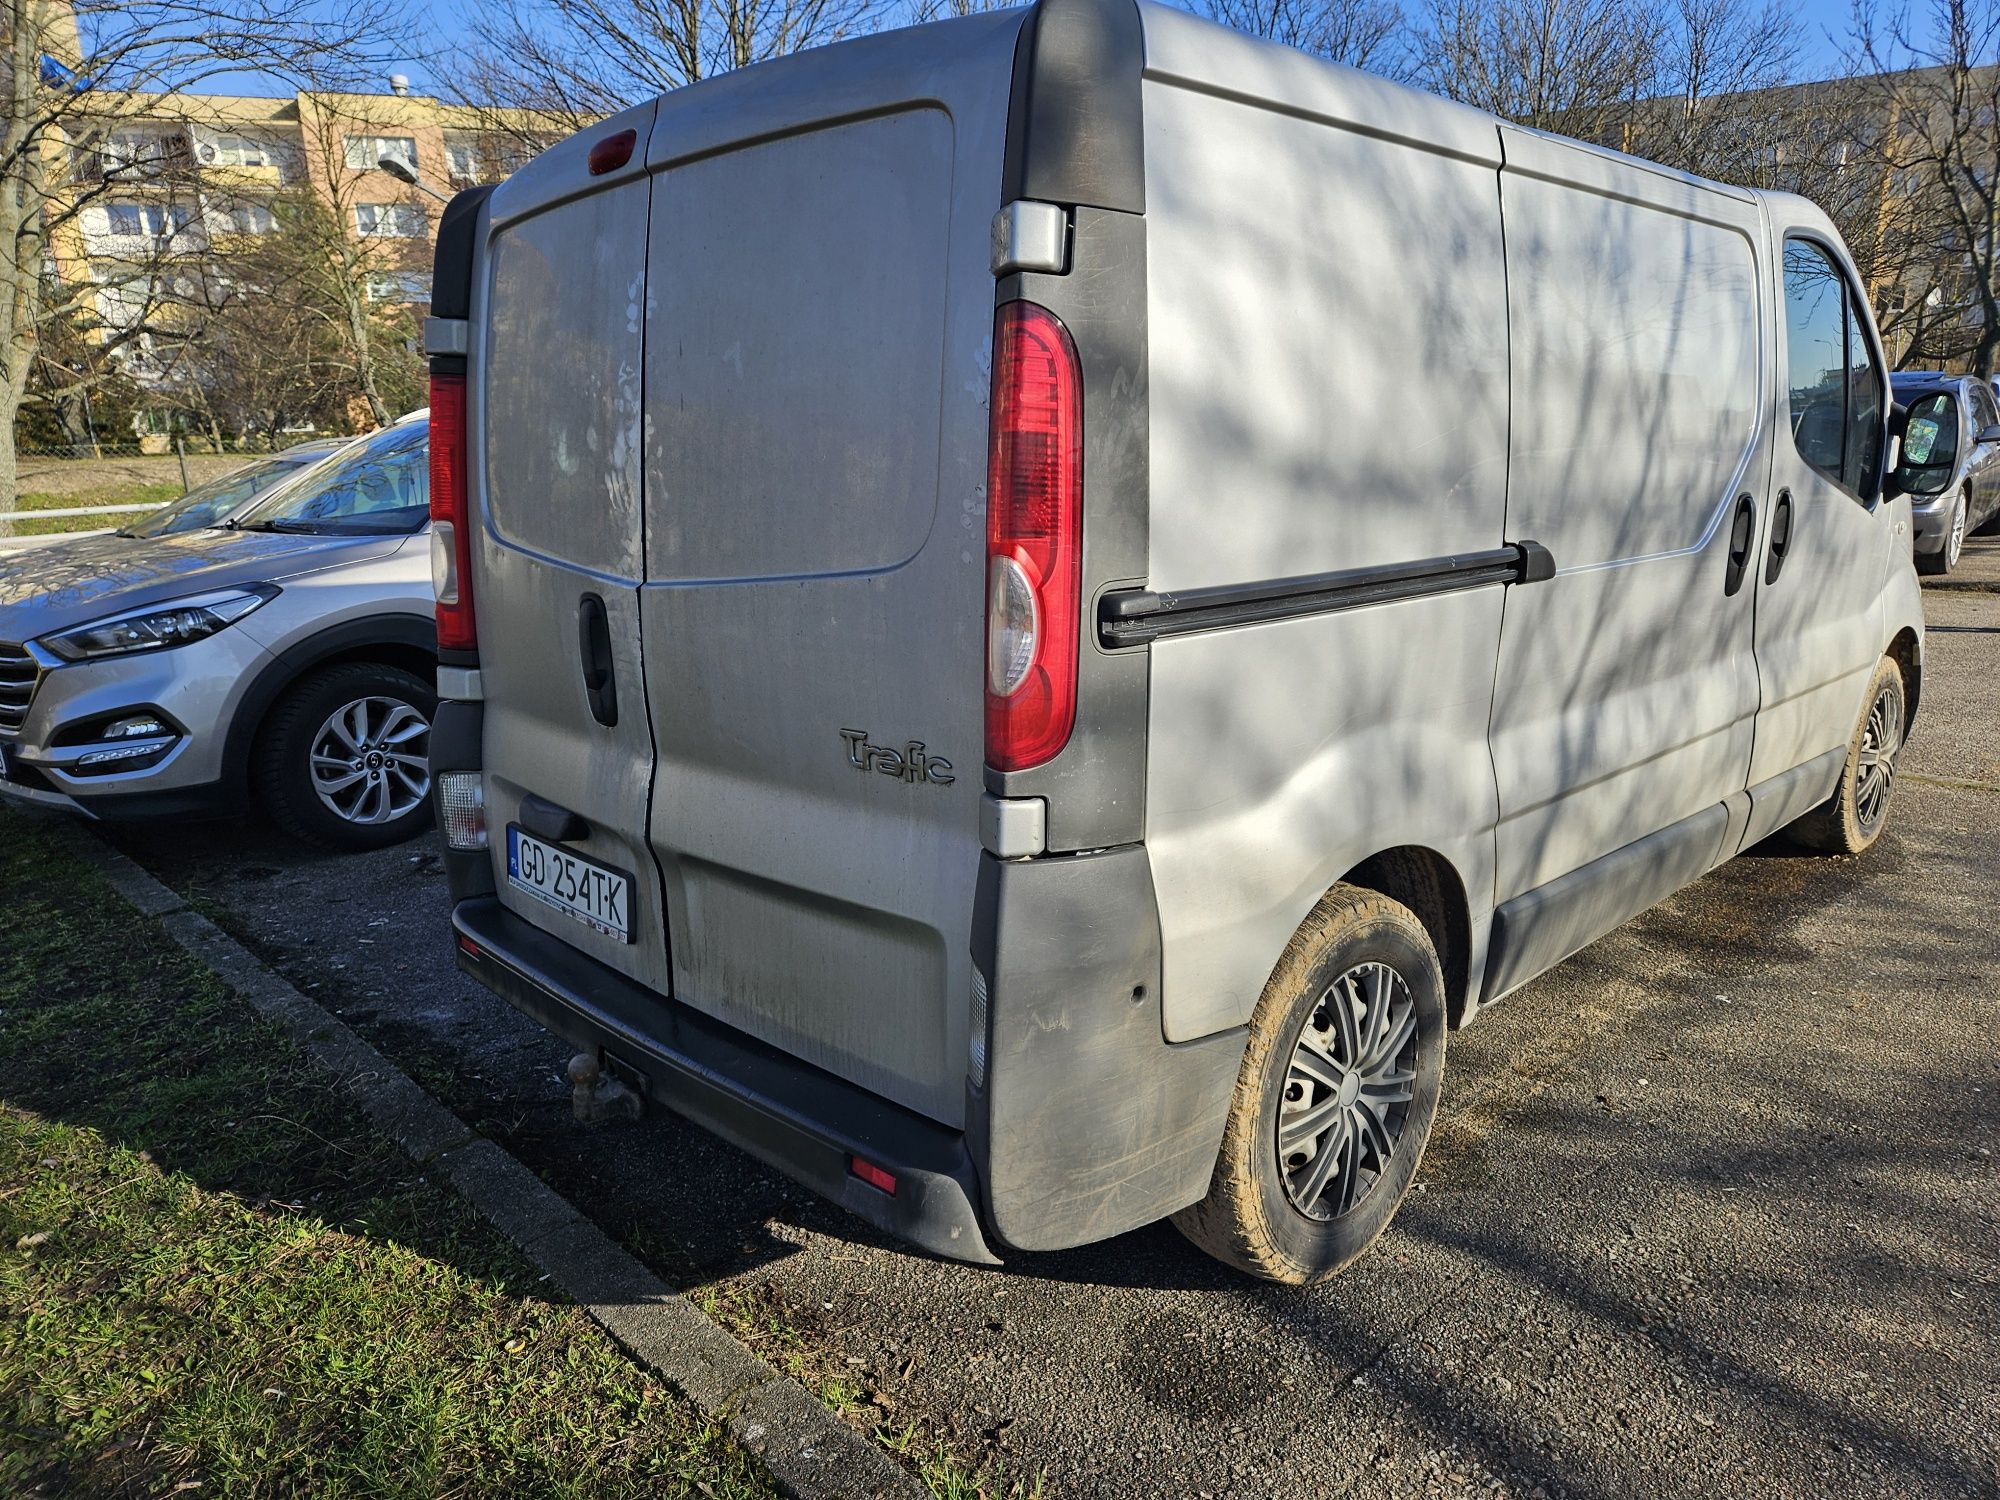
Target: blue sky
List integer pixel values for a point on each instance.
(446, 22)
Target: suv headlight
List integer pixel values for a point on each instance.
(174, 622)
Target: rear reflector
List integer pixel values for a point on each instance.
(611, 153)
(462, 808)
(451, 534)
(873, 1175)
(1034, 543)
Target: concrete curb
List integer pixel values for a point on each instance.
(810, 1453)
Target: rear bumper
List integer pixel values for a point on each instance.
(795, 1117)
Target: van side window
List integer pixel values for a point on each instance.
(1816, 356)
(1865, 430)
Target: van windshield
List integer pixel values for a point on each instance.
(379, 486)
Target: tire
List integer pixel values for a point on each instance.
(1852, 819)
(379, 709)
(1356, 948)
(1937, 564)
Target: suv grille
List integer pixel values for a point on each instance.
(20, 675)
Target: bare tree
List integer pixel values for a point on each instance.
(549, 62)
(73, 73)
(1933, 78)
(1710, 107)
(1575, 66)
(944, 10)
(1360, 33)
(295, 330)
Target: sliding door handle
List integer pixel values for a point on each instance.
(593, 639)
(1741, 534)
(1781, 536)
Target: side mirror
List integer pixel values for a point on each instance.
(1990, 433)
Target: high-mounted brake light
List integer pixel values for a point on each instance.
(451, 530)
(611, 153)
(1034, 551)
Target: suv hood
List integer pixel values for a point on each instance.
(52, 588)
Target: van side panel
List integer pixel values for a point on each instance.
(1627, 689)
(819, 325)
(1329, 391)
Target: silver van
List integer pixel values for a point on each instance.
(1034, 609)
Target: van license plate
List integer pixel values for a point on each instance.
(597, 897)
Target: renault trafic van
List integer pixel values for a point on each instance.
(1035, 608)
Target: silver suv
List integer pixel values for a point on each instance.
(288, 652)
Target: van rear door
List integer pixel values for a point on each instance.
(555, 444)
(819, 319)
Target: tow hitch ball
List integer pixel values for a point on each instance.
(597, 1096)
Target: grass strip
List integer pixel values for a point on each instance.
(217, 1279)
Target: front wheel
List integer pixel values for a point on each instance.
(1335, 1098)
(344, 759)
(1852, 819)
(1946, 557)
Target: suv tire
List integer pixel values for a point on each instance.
(1350, 1030)
(373, 717)
(1937, 564)
(1852, 819)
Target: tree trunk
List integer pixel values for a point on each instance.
(10, 477)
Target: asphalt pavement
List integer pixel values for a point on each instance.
(1712, 1209)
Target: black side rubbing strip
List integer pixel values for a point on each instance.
(451, 267)
(1073, 125)
(1134, 617)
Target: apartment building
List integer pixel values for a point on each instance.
(169, 185)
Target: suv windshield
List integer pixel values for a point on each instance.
(209, 503)
(381, 485)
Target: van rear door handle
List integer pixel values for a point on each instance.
(593, 639)
(1781, 536)
(1740, 536)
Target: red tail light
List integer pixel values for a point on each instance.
(451, 526)
(1034, 538)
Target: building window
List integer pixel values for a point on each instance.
(388, 220)
(365, 151)
(399, 286)
(158, 221)
(143, 153)
(241, 218)
(237, 151)
(461, 160)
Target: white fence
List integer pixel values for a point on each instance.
(22, 543)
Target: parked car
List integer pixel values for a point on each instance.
(287, 654)
(206, 504)
(976, 665)
(1950, 461)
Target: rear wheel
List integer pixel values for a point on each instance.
(344, 758)
(1336, 1095)
(1852, 819)
(1946, 557)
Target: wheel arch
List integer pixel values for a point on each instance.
(1907, 652)
(1430, 886)
(405, 641)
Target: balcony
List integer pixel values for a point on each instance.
(223, 175)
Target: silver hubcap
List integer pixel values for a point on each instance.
(1954, 544)
(1347, 1091)
(371, 760)
(1875, 774)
